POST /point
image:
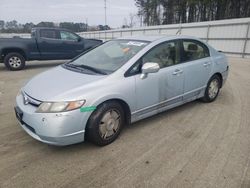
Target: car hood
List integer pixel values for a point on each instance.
(56, 82)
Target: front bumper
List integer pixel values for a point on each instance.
(52, 128)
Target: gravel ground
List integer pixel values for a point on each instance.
(195, 145)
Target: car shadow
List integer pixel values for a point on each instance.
(155, 118)
(87, 146)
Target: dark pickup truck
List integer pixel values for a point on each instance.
(44, 44)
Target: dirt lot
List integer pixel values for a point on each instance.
(195, 145)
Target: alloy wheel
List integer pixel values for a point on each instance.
(15, 62)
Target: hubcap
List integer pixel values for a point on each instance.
(109, 124)
(15, 62)
(213, 89)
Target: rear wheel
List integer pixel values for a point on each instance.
(105, 124)
(14, 61)
(213, 89)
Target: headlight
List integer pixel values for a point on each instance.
(48, 107)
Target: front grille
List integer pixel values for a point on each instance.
(29, 127)
(33, 104)
(19, 116)
(30, 100)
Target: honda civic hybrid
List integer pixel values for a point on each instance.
(117, 83)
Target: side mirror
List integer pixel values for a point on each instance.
(149, 67)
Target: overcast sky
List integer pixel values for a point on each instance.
(67, 10)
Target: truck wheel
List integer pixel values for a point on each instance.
(14, 61)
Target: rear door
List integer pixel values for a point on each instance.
(197, 66)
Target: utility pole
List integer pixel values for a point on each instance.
(86, 24)
(105, 9)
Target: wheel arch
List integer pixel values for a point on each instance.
(220, 76)
(125, 107)
(13, 50)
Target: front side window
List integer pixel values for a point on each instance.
(110, 56)
(49, 34)
(165, 54)
(193, 50)
(68, 36)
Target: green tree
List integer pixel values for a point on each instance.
(45, 24)
(156, 12)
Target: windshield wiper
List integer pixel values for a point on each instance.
(87, 68)
(75, 67)
(92, 69)
(70, 65)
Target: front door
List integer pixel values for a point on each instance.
(72, 45)
(49, 44)
(161, 90)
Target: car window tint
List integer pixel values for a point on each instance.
(45, 33)
(165, 55)
(68, 36)
(194, 50)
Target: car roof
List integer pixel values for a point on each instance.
(152, 38)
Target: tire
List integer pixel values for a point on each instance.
(106, 119)
(14, 61)
(212, 89)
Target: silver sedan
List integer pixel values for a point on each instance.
(117, 83)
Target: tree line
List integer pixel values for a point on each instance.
(15, 27)
(156, 12)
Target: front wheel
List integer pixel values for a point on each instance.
(213, 89)
(14, 61)
(105, 124)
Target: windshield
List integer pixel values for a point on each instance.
(108, 57)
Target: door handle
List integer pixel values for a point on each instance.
(206, 64)
(177, 71)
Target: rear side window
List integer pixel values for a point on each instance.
(49, 34)
(193, 50)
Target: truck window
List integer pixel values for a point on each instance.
(46, 33)
(33, 33)
(68, 36)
